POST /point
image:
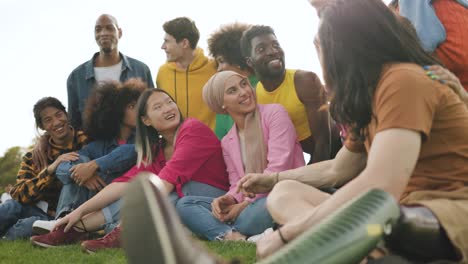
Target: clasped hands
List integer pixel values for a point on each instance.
(226, 208)
(85, 174)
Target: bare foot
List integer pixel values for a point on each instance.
(234, 236)
(268, 245)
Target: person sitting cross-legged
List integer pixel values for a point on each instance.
(263, 140)
(34, 185)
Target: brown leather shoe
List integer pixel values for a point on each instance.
(419, 236)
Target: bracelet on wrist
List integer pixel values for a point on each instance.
(282, 237)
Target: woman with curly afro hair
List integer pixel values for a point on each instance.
(224, 47)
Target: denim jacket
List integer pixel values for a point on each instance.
(113, 159)
(82, 80)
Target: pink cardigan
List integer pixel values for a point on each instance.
(284, 151)
(197, 156)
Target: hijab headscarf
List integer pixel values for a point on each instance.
(213, 95)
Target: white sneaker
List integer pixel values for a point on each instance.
(41, 227)
(255, 238)
(5, 197)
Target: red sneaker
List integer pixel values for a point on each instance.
(59, 238)
(111, 240)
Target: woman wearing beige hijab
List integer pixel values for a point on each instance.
(263, 140)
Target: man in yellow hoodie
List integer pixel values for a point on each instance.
(187, 69)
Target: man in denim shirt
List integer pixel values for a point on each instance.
(107, 64)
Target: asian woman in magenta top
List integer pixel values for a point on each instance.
(185, 154)
(263, 140)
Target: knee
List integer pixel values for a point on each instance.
(9, 208)
(183, 205)
(63, 170)
(22, 228)
(281, 194)
(10, 212)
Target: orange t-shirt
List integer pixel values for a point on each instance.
(406, 98)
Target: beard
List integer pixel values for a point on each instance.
(266, 72)
(107, 50)
(269, 74)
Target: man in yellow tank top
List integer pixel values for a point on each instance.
(300, 92)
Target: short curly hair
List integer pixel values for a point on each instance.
(249, 34)
(183, 27)
(226, 42)
(106, 106)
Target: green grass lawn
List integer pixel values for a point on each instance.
(24, 252)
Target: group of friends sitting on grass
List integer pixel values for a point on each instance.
(143, 168)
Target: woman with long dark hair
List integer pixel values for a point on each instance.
(184, 153)
(409, 127)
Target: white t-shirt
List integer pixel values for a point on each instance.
(109, 73)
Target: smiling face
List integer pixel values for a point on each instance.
(162, 112)
(238, 96)
(267, 57)
(107, 33)
(55, 122)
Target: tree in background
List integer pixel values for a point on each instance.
(9, 165)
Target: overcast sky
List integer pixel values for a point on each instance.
(43, 41)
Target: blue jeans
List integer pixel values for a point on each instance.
(16, 219)
(111, 215)
(112, 212)
(73, 195)
(193, 188)
(195, 212)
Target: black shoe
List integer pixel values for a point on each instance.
(419, 236)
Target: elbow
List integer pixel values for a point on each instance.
(340, 179)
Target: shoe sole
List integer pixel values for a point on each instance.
(145, 233)
(40, 244)
(37, 230)
(346, 236)
(84, 249)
